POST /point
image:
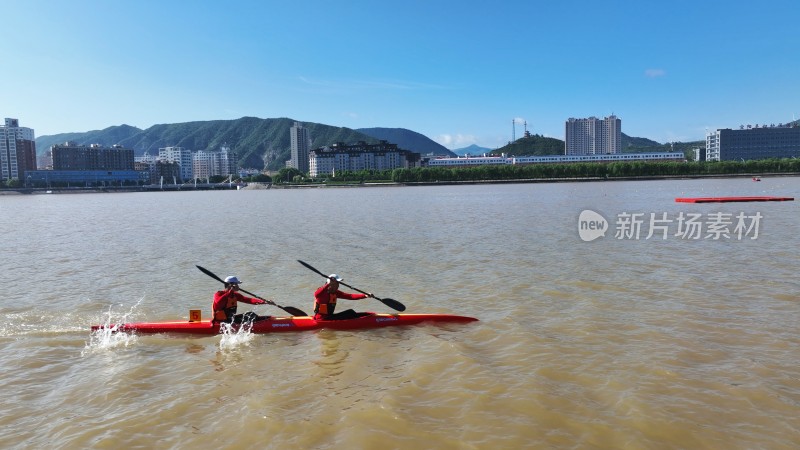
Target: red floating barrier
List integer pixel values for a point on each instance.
(732, 199)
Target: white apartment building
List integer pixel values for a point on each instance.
(208, 164)
(712, 146)
(149, 161)
(593, 136)
(146, 158)
(180, 156)
(361, 156)
(17, 150)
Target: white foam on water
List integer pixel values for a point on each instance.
(39, 322)
(235, 336)
(109, 337)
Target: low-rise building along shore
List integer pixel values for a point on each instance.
(746, 143)
(361, 156)
(470, 161)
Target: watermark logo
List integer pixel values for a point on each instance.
(686, 226)
(591, 225)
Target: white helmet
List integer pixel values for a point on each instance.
(232, 280)
(336, 277)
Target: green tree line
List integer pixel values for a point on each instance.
(528, 172)
(574, 170)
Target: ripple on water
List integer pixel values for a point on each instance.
(608, 344)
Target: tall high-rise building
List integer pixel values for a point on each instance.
(208, 164)
(593, 136)
(17, 151)
(301, 144)
(181, 156)
(228, 161)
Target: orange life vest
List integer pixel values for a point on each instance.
(326, 307)
(228, 310)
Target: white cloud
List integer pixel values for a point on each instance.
(456, 140)
(655, 73)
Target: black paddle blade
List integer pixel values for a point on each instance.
(392, 303)
(311, 268)
(210, 273)
(292, 310)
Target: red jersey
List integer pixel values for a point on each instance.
(224, 306)
(325, 302)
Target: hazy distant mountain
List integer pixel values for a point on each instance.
(259, 142)
(473, 150)
(407, 140)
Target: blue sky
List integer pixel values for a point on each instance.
(458, 72)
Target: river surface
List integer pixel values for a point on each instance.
(672, 340)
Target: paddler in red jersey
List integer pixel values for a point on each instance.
(225, 301)
(325, 301)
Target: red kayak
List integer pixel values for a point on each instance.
(286, 324)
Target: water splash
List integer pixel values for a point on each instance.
(109, 336)
(235, 336)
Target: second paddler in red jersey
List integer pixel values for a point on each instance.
(325, 299)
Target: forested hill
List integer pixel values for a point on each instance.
(536, 145)
(408, 140)
(260, 143)
(533, 145)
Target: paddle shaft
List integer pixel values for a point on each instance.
(289, 309)
(390, 302)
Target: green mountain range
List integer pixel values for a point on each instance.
(265, 143)
(260, 143)
(408, 140)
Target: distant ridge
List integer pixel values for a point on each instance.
(113, 134)
(407, 140)
(473, 150)
(260, 143)
(264, 143)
